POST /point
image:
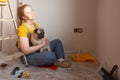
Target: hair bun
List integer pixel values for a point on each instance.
(20, 4)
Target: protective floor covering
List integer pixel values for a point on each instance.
(78, 71)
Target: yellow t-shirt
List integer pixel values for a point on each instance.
(23, 31)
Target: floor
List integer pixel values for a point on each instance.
(78, 71)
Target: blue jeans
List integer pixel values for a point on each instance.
(46, 58)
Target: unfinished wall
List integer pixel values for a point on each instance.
(60, 17)
(108, 39)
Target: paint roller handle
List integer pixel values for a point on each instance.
(115, 67)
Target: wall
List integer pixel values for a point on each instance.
(108, 39)
(60, 17)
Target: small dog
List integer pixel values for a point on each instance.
(36, 37)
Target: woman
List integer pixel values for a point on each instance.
(27, 25)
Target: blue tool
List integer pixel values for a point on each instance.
(17, 72)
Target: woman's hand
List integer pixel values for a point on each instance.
(45, 41)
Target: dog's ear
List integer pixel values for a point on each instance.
(36, 30)
(42, 29)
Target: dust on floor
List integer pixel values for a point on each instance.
(78, 71)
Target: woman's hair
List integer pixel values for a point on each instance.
(20, 13)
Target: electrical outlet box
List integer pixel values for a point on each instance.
(78, 30)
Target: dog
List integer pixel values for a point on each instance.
(36, 37)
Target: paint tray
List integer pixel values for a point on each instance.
(83, 57)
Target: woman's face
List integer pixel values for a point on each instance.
(28, 13)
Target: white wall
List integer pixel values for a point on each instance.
(60, 17)
(108, 39)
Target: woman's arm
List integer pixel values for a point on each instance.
(24, 43)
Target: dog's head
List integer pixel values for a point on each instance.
(39, 33)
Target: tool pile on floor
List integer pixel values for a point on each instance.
(17, 72)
